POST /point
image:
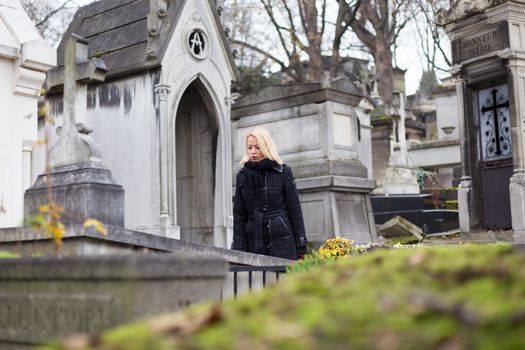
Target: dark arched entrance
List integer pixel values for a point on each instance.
(196, 132)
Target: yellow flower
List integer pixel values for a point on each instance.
(336, 247)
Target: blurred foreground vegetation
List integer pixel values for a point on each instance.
(448, 297)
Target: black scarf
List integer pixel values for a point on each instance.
(255, 172)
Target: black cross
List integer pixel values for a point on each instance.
(494, 108)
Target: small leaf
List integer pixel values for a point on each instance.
(40, 142)
(36, 221)
(44, 208)
(99, 226)
(56, 231)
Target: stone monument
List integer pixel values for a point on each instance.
(400, 176)
(77, 180)
(316, 128)
(24, 59)
(489, 69)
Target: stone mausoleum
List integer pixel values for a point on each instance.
(488, 45)
(162, 115)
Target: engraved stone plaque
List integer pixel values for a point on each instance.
(35, 318)
(42, 299)
(492, 39)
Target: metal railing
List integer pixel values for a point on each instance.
(264, 270)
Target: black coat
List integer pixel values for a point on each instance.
(269, 222)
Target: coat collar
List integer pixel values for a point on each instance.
(278, 168)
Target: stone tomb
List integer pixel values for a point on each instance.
(489, 67)
(24, 59)
(317, 131)
(162, 115)
(46, 298)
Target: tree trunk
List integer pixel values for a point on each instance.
(384, 71)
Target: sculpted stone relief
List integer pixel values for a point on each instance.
(464, 8)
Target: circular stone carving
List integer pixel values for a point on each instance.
(197, 42)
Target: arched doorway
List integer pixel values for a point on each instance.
(196, 132)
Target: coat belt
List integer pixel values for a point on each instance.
(258, 218)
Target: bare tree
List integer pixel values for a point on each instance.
(51, 17)
(378, 24)
(432, 38)
(307, 28)
(299, 30)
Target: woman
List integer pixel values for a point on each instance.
(267, 213)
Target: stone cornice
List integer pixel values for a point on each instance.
(487, 15)
(433, 144)
(314, 96)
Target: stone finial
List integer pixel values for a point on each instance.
(73, 147)
(326, 81)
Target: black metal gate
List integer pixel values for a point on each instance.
(496, 156)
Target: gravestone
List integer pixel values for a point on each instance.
(24, 59)
(487, 40)
(315, 126)
(76, 180)
(162, 115)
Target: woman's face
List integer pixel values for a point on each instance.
(253, 149)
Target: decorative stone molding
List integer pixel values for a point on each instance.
(454, 22)
(162, 91)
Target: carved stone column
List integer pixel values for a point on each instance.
(227, 241)
(516, 81)
(162, 91)
(465, 185)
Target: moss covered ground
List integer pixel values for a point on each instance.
(446, 298)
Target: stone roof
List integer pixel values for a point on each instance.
(130, 35)
(288, 95)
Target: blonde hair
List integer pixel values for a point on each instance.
(266, 145)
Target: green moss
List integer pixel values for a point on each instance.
(403, 240)
(424, 298)
(7, 255)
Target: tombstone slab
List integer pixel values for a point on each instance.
(397, 228)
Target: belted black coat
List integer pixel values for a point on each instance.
(269, 221)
